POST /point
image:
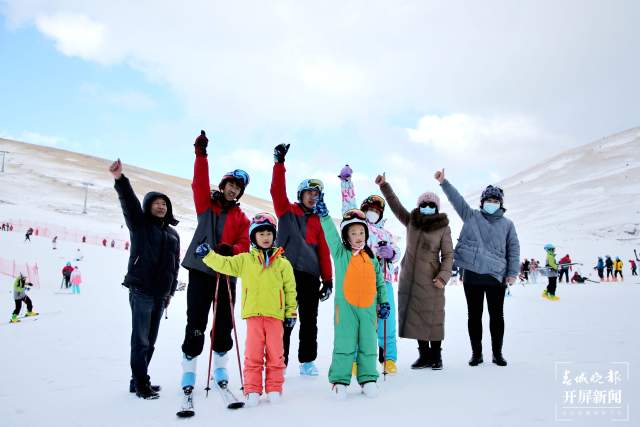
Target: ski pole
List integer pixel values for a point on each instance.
(384, 351)
(235, 332)
(213, 328)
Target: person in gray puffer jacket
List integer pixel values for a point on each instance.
(489, 252)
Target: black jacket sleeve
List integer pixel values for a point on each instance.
(131, 208)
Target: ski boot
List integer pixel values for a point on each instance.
(220, 374)
(31, 313)
(14, 319)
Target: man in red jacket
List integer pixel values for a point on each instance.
(565, 266)
(225, 227)
(301, 235)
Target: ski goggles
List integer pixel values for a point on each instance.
(264, 218)
(238, 175)
(373, 201)
(312, 184)
(354, 214)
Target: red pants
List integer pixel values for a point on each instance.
(264, 337)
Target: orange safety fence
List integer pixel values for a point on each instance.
(12, 268)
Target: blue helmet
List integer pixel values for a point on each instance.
(309, 184)
(549, 246)
(239, 176)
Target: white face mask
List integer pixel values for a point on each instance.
(372, 216)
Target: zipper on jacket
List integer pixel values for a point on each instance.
(136, 261)
(280, 299)
(245, 297)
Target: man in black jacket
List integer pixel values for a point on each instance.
(152, 273)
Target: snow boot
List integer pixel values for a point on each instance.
(424, 359)
(14, 318)
(476, 359)
(498, 359)
(274, 397)
(252, 400)
(132, 387)
(31, 313)
(436, 359)
(309, 369)
(145, 391)
(220, 373)
(340, 391)
(370, 389)
(390, 367)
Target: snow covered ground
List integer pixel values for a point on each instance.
(70, 366)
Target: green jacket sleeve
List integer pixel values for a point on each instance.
(551, 261)
(230, 265)
(290, 295)
(381, 287)
(333, 238)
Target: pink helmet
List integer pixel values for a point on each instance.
(429, 197)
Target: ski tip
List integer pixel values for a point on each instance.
(236, 405)
(185, 414)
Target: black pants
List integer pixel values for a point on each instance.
(600, 273)
(551, 287)
(564, 272)
(200, 295)
(609, 272)
(146, 312)
(67, 281)
(618, 272)
(18, 302)
(634, 271)
(308, 289)
(475, 304)
(526, 275)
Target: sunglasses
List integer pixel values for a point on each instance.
(315, 184)
(352, 214)
(428, 204)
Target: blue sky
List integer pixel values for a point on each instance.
(482, 90)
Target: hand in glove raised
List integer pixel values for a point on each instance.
(280, 152)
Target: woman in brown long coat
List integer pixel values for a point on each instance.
(425, 269)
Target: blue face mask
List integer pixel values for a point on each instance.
(490, 208)
(427, 211)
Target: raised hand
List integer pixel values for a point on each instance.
(116, 169)
(381, 179)
(345, 173)
(201, 144)
(280, 152)
(439, 176)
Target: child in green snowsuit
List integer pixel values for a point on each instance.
(360, 288)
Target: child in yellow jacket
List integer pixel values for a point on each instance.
(268, 304)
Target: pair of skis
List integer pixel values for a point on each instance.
(230, 400)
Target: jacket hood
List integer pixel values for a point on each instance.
(150, 197)
(428, 222)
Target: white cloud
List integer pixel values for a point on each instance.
(75, 35)
(499, 144)
(323, 64)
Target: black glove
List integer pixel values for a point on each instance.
(326, 290)
(223, 249)
(201, 144)
(280, 152)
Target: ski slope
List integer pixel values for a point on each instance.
(70, 366)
